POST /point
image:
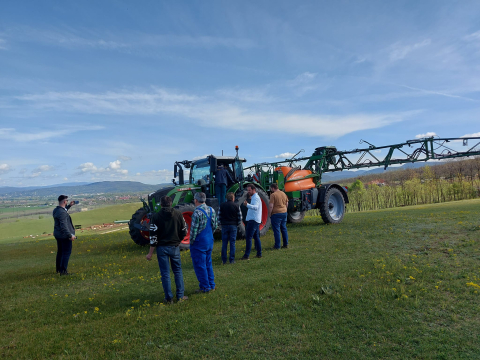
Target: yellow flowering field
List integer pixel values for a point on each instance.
(398, 283)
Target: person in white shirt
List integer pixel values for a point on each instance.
(253, 220)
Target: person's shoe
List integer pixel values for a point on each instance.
(66, 273)
(274, 248)
(232, 262)
(198, 291)
(258, 256)
(215, 288)
(182, 299)
(244, 258)
(285, 247)
(168, 302)
(224, 263)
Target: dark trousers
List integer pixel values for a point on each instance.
(279, 225)
(252, 231)
(64, 249)
(229, 233)
(172, 254)
(221, 193)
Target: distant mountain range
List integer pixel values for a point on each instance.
(123, 187)
(103, 187)
(347, 174)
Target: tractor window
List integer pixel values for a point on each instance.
(200, 171)
(237, 166)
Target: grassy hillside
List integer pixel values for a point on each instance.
(398, 284)
(16, 231)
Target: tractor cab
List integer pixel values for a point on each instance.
(202, 171)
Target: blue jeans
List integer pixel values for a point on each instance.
(279, 224)
(221, 193)
(172, 253)
(64, 249)
(252, 231)
(229, 233)
(202, 265)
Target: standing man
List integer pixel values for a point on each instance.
(222, 177)
(64, 233)
(278, 216)
(204, 223)
(167, 230)
(253, 219)
(230, 217)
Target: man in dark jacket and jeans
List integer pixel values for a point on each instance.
(64, 233)
(230, 217)
(222, 178)
(167, 230)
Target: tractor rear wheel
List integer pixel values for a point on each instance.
(240, 197)
(139, 237)
(333, 206)
(187, 212)
(295, 217)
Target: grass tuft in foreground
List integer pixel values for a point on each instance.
(399, 283)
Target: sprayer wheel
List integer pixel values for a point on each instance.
(295, 217)
(332, 208)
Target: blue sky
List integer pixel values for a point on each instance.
(119, 90)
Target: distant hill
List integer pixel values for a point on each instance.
(348, 174)
(11, 189)
(103, 187)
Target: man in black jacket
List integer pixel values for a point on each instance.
(167, 230)
(230, 217)
(64, 233)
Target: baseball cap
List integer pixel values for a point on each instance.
(62, 197)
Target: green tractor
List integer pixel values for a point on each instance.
(201, 179)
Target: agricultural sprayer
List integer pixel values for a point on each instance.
(299, 177)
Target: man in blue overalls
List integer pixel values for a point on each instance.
(204, 223)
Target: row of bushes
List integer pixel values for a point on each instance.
(424, 189)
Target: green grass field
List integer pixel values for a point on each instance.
(397, 284)
(16, 231)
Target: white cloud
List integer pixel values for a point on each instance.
(5, 168)
(13, 134)
(81, 38)
(200, 157)
(113, 169)
(302, 79)
(398, 52)
(124, 158)
(473, 36)
(285, 155)
(65, 179)
(211, 112)
(3, 44)
(115, 165)
(43, 168)
(426, 135)
(477, 134)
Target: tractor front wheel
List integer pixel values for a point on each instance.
(187, 212)
(139, 237)
(240, 197)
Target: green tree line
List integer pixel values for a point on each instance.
(456, 180)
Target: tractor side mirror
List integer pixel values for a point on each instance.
(213, 164)
(175, 170)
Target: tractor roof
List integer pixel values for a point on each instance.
(220, 159)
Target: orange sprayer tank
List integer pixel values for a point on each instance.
(302, 184)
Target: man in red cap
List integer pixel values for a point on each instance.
(64, 233)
